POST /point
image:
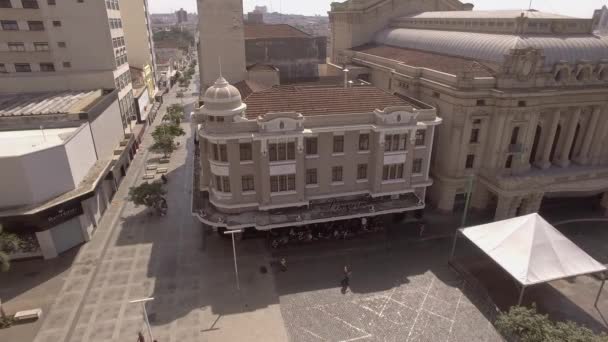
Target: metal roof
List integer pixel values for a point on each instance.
(499, 14)
(58, 102)
(493, 47)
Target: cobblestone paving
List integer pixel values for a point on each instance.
(383, 304)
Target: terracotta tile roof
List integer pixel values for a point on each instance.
(320, 100)
(265, 31)
(246, 88)
(416, 58)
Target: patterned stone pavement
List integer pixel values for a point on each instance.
(416, 300)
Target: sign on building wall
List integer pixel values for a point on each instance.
(149, 80)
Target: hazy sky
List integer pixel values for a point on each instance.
(576, 8)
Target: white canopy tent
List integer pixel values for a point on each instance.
(531, 250)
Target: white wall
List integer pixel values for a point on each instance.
(107, 131)
(143, 102)
(81, 153)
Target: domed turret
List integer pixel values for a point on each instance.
(223, 99)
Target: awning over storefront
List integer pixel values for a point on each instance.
(531, 250)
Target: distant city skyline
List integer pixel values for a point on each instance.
(581, 8)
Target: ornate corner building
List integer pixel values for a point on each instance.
(294, 155)
(523, 95)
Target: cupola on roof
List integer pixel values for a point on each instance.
(223, 99)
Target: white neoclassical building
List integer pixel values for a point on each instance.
(523, 95)
(294, 155)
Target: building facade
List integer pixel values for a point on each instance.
(40, 52)
(277, 159)
(523, 96)
(220, 25)
(182, 16)
(139, 38)
(63, 156)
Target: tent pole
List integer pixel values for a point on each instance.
(521, 295)
(600, 291)
(453, 246)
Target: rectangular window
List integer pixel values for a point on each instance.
(417, 166)
(474, 135)
(283, 183)
(362, 171)
(336, 174)
(338, 144)
(509, 162)
(282, 151)
(9, 25)
(395, 142)
(47, 67)
(481, 102)
(5, 4)
(36, 25)
(245, 151)
(247, 182)
(311, 176)
(41, 46)
(56, 23)
(225, 184)
(23, 67)
(51, 2)
(363, 142)
(392, 172)
(311, 146)
(420, 137)
(61, 44)
(470, 161)
(16, 47)
(3, 68)
(223, 153)
(29, 3)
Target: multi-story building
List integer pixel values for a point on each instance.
(63, 155)
(141, 56)
(523, 96)
(64, 45)
(182, 16)
(295, 155)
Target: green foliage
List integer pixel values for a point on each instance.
(8, 242)
(527, 325)
(175, 113)
(147, 194)
(182, 39)
(164, 144)
(6, 322)
(170, 129)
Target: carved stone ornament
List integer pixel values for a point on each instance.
(523, 63)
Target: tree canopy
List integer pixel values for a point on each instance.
(147, 194)
(170, 129)
(163, 144)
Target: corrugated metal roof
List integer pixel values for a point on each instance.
(493, 47)
(60, 102)
(499, 14)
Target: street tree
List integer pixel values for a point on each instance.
(170, 129)
(164, 144)
(8, 242)
(175, 113)
(149, 195)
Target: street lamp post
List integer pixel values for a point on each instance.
(143, 302)
(236, 269)
(468, 201)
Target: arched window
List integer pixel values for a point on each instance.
(537, 135)
(578, 129)
(558, 131)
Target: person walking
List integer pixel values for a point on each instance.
(422, 228)
(283, 263)
(346, 279)
(140, 337)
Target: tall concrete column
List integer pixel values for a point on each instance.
(300, 169)
(47, 244)
(446, 200)
(503, 209)
(544, 161)
(528, 143)
(598, 140)
(604, 203)
(533, 203)
(564, 159)
(584, 156)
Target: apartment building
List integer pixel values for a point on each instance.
(523, 96)
(295, 155)
(49, 45)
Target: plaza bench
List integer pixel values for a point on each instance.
(162, 170)
(164, 161)
(151, 167)
(28, 314)
(149, 176)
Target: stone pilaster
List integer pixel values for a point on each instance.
(584, 156)
(564, 160)
(480, 197)
(503, 209)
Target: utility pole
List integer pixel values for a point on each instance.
(468, 201)
(236, 269)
